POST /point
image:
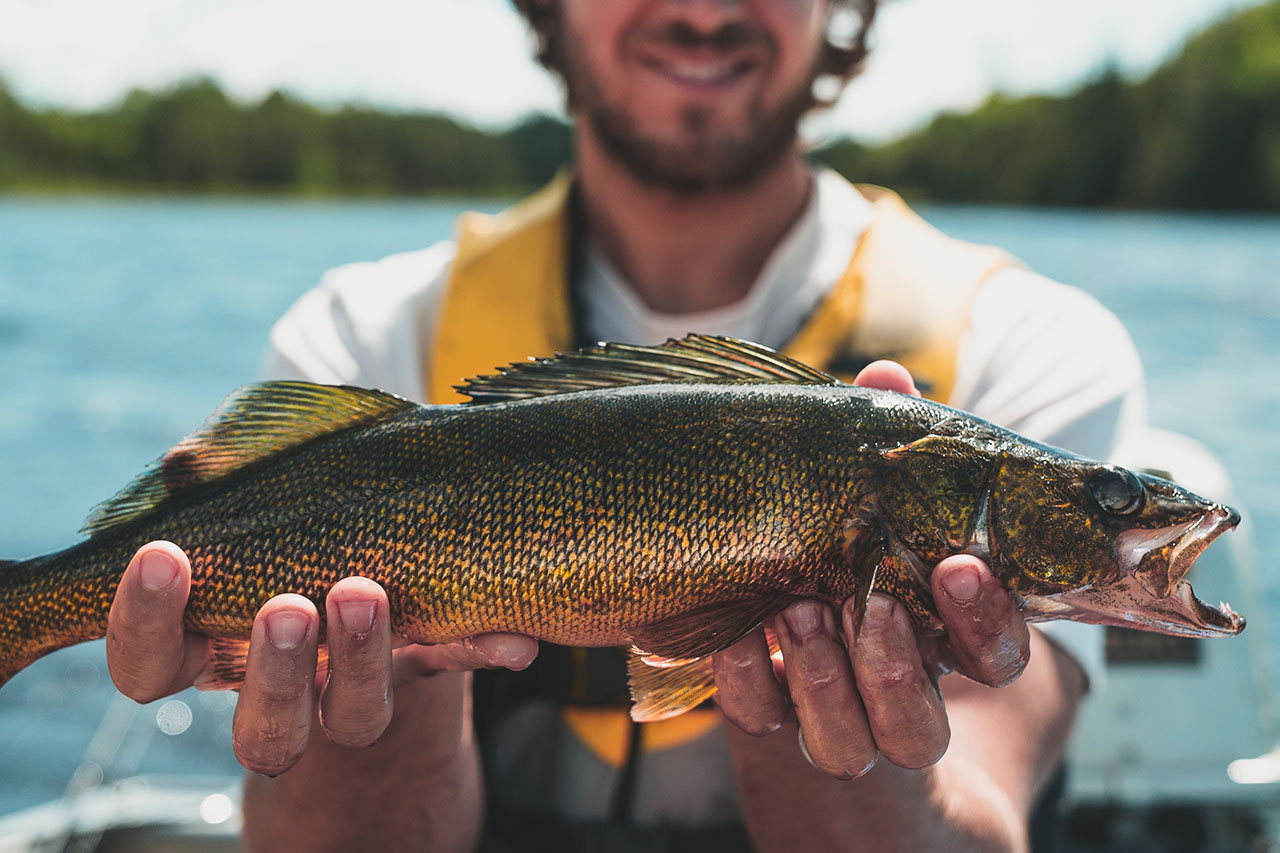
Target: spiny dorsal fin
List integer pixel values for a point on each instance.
(696, 358)
(251, 424)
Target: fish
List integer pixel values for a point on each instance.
(669, 498)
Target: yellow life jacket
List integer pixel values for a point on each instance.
(905, 295)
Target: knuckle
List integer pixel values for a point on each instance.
(847, 762)
(1004, 668)
(363, 731)
(269, 751)
(818, 682)
(841, 757)
(895, 680)
(284, 693)
(879, 622)
(137, 690)
(459, 657)
(127, 626)
(924, 750)
(756, 723)
(138, 677)
(352, 658)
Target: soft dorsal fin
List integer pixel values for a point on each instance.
(696, 358)
(251, 424)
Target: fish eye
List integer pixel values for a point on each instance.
(1116, 490)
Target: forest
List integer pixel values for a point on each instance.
(1201, 131)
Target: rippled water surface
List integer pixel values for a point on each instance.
(123, 323)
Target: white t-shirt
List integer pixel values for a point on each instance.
(1038, 357)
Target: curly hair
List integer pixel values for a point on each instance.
(840, 60)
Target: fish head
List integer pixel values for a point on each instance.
(1093, 542)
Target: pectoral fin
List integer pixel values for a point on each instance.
(662, 688)
(707, 630)
(228, 660)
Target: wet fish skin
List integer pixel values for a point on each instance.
(618, 500)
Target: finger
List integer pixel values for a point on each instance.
(903, 705)
(273, 717)
(888, 376)
(834, 729)
(149, 652)
(986, 633)
(356, 704)
(750, 696)
(483, 651)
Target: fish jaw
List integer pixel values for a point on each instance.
(1151, 593)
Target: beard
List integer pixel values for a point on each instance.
(706, 156)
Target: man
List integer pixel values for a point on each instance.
(691, 208)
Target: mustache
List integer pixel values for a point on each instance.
(734, 35)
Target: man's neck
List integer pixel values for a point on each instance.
(683, 253)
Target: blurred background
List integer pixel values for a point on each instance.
(174, 173)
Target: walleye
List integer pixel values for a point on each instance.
(672, 498)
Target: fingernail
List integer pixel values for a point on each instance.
(804, 748)
(804, 618)
(357, 616)
(879, 611)
(512, 658)
(500, 652)
(286, 630)
(157, 571)
(962, 586)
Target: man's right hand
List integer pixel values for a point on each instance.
(151, 655)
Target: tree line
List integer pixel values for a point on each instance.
(1203, 131)
(195, 138)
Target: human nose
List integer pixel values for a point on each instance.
(705, 16)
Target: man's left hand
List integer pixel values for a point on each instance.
(879, 695)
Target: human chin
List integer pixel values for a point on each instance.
(701, 154)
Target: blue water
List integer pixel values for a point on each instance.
(123, 323)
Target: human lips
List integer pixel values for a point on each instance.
(700, 72)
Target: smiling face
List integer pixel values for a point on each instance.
(691, 95)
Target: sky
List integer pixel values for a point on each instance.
(471, 58)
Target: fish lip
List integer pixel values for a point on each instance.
(1198, 537)
(1209, 621)
(1128, 604)
(1188, 541)
(1203, 620)
(1151, 599)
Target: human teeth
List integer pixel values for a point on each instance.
(702, 72)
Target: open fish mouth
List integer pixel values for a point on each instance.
(1160, 558)
(1161, 571)
(1152, 592)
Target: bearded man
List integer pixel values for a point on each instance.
(689, 207)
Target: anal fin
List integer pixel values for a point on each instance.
(669, 688)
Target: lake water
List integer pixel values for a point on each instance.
(123, 323)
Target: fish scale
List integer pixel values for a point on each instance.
(601, 499)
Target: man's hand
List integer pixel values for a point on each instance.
(151, 655)
(879, 696)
